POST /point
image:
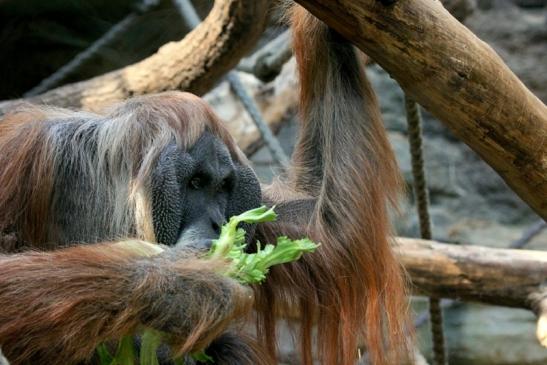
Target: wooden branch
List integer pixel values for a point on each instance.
(513, 278)
(194, 64)
(541, 328)
(539, 302)
(458, 78)
(474, 273)
(267, 62)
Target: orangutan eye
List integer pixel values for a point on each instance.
(197, 182)
(226, 185)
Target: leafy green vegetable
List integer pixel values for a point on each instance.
(232, 239)
(202, 357)
(104, 355)
(253, 267)
(247, 268)
(250, 268)
(125, 354)
(150, 341)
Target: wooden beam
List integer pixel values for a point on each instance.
(474, 273)
(193, 64)
(507, 277)
(443, 66)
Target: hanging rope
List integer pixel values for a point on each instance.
(191, 18)
(62, 73)
(529, 234)
(188, 13)
(414, 121)
(266, 133)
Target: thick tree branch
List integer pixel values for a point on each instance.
(458, 78)
(514, 278)
(193, 64)
(474, 273)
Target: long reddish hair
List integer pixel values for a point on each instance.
(59, 303)
(353, 288)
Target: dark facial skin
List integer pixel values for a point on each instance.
(194, 192)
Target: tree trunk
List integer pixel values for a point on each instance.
(474, 273)
(193, 64)
(513, 278)
(458, 78)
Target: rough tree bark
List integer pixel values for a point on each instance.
(474, 273)
(513, 278)
(458, 78)
(193, 64)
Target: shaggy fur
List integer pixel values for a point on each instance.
(58, 304)
(352, 289)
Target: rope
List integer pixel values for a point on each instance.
(423, 317)
(191, 18)
(529, 234)
(266, 133)
(188, 13)
(414, 121)
(62, 73)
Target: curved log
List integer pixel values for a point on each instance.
(474, 273)
(458, 78)
(193, 64)
(507, 277)
(539, 301)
